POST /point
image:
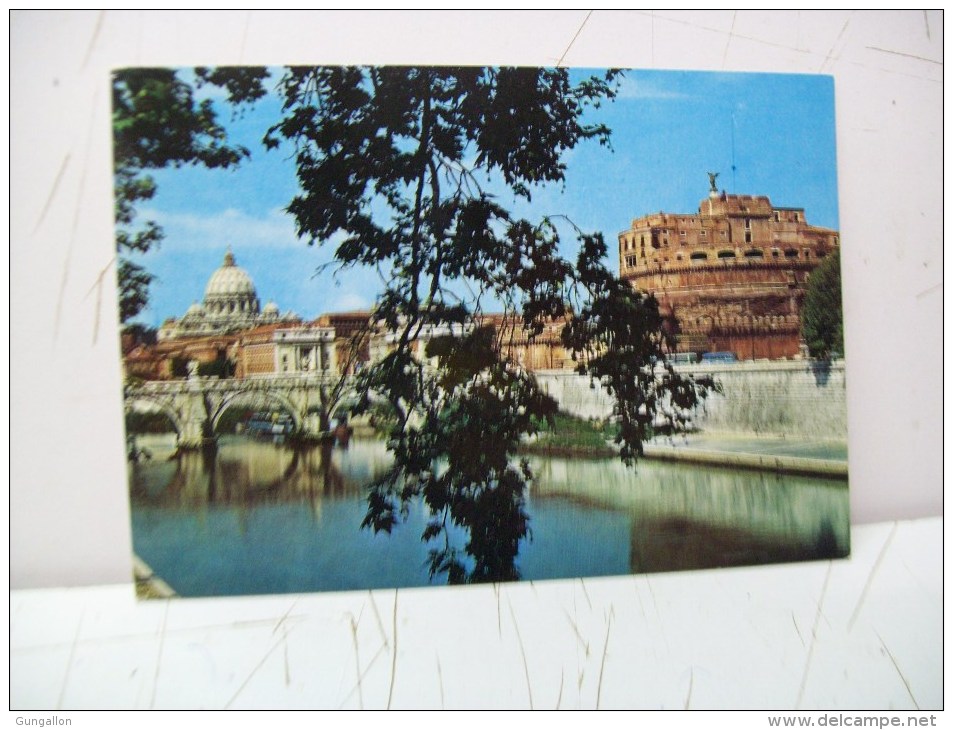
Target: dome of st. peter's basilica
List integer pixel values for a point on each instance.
(230, 304)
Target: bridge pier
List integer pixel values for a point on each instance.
(310, 427)
(194, 435)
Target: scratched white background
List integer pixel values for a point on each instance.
(788, 636)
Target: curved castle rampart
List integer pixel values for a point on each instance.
(732, 276)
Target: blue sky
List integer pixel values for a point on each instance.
(766, 134)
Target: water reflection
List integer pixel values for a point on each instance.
(247, 472)
(685, 516)
(254, 517)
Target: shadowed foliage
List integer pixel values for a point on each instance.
(398, 165)
(402, 168)
(822, 317)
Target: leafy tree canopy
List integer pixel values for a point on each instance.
(398, 166)
(157, 123)
(395, 164)
(822, 316)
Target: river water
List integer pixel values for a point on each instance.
(256, 517)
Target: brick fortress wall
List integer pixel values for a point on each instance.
(731, 277)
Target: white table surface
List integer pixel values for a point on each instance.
(863, 633)
(860, 633)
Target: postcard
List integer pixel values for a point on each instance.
(396, 326)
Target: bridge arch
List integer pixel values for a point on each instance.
(258, 400)
(343, 407)
(147, 404)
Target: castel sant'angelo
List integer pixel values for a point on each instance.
(731, 276)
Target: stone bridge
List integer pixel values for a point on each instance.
(196, 405)
(789, 399)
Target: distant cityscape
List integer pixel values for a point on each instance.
(730, 279)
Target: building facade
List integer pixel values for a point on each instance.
(543, 351)
(305, 350)
(352, 338)
(732, 276)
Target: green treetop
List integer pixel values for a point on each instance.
(822, 316)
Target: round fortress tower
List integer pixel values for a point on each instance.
(733, 274)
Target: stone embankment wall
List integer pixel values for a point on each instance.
(791, 399)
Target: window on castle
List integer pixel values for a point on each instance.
(699, 256)
(776, 253)
(777, 216)
(790, 253)
(807, 253)
(754, 253)
(726, 254)
(747, 236)
(703, 233)
(747, 224)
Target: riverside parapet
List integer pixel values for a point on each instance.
(779, 398)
